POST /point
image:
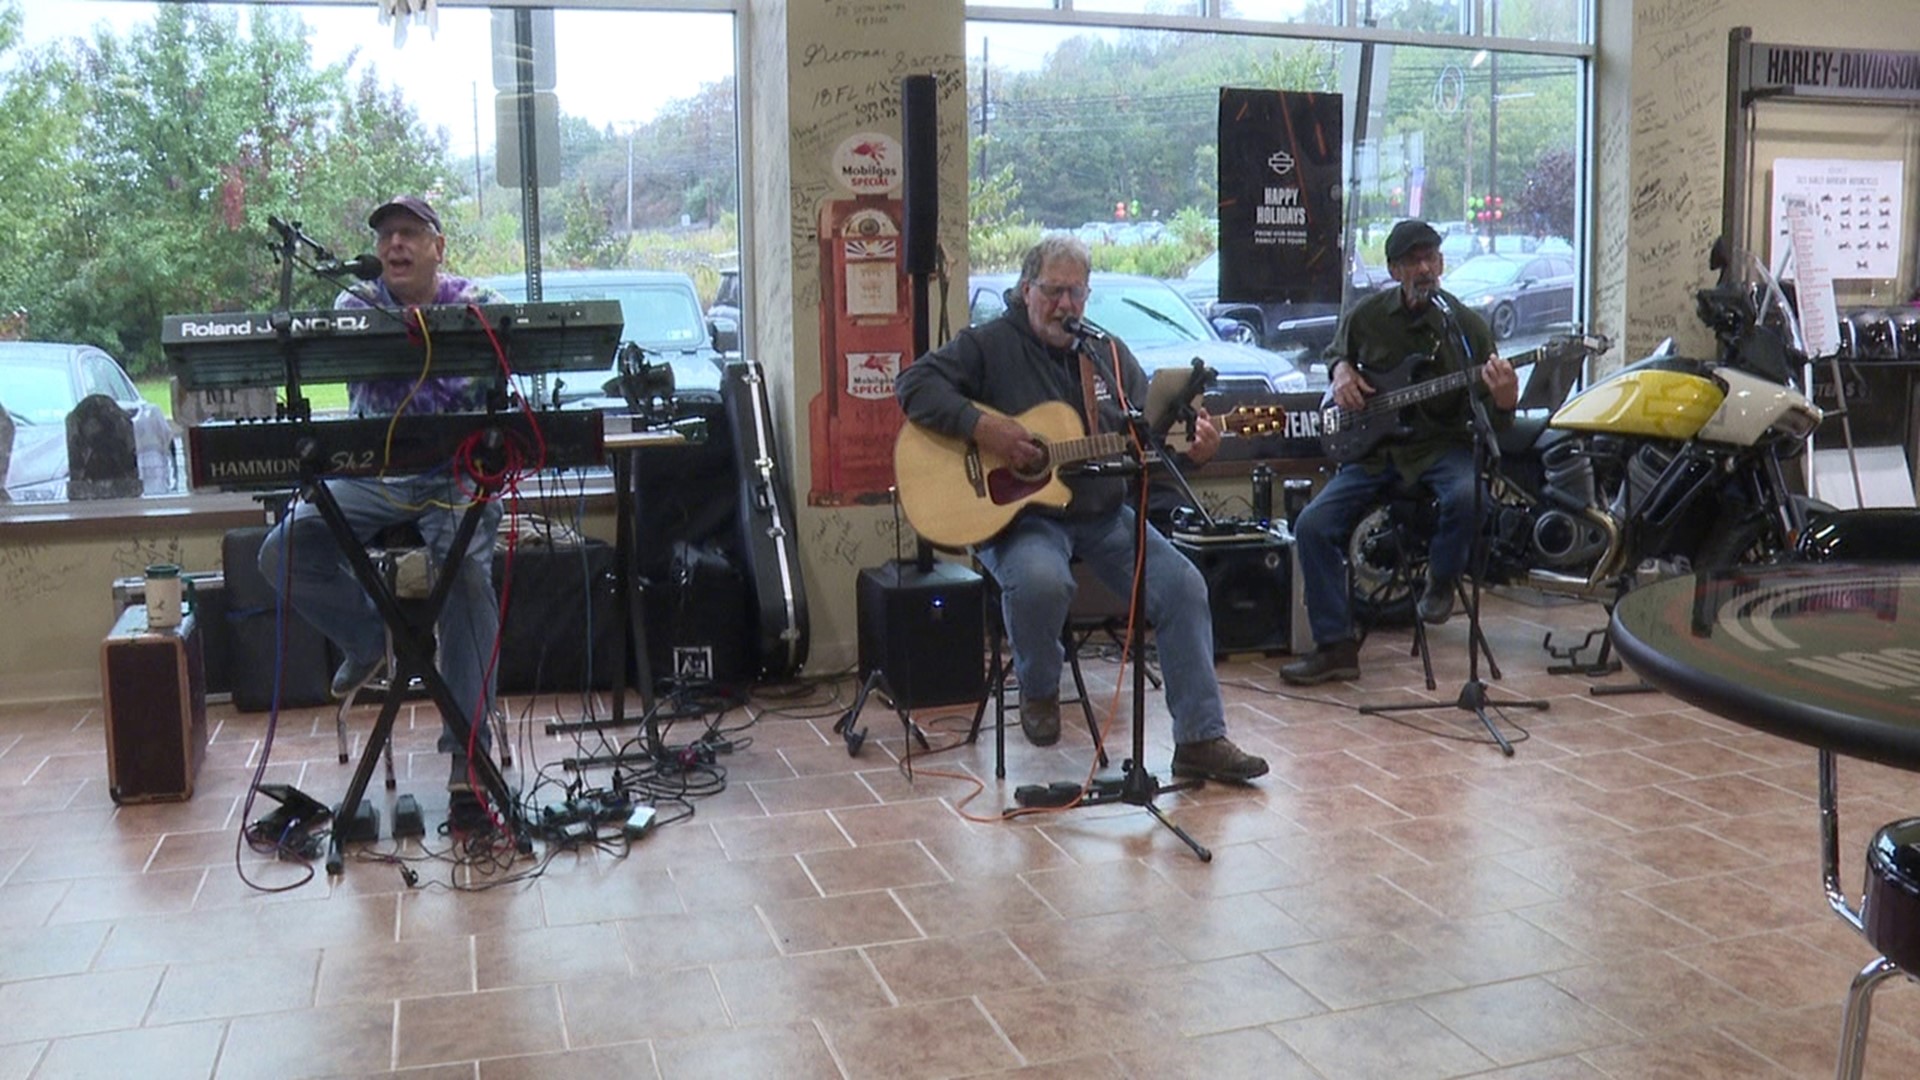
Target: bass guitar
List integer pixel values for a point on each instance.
(1350, 434)
(955, 494)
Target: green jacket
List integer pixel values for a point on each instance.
(1379, 335)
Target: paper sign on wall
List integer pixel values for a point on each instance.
(1854, 208)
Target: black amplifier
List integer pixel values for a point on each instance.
(1249, 572)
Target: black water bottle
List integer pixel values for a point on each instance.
(1262, 493)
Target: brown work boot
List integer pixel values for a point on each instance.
(1217, 759)
(1334, 660)
(1040, 720)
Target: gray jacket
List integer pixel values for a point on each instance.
(1003, 365)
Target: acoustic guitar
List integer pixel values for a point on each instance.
(955, 493)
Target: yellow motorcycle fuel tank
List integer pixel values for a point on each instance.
(1645, 402)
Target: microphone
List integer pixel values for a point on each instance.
(364, 267)
(1082, 329)
(1439, 300)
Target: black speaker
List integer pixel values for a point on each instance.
(252, 616)
(558, 633)
(919, 132)
(924, 630)
(1249, 588)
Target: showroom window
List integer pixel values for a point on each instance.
(1101, 117)
(158, 142)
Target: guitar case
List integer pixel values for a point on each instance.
(769, 545)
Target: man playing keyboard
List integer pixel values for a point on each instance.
(412, 247)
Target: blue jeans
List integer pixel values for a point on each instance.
(1327, 524)
(326, 594)
(1031, 562)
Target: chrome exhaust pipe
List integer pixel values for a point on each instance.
(1580, 588)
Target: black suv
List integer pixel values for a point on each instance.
(1285, 325)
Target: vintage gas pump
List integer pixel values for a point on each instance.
(866, 336)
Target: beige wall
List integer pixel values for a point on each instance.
(1657, 182)
(1672, 199)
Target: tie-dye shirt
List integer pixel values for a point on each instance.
(453, 393)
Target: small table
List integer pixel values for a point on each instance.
(1826, 654)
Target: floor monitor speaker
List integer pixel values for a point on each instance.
(924, 629)
(1249, 588)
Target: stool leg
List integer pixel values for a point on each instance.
(1853, 1024)
(500, 737)
(1080, 691)
(340, 726)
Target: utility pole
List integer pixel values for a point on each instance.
(630, 127)
(479, 198)
(986, 95)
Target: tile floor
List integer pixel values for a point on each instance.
(1634, 894)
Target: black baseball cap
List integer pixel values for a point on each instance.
(411, 204)
(1410, 234)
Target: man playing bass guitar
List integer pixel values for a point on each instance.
(1030, 364)
(1386, 347)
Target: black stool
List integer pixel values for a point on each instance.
(1890, 919)
(400, 553)
(1389, 561)
(1088, 617)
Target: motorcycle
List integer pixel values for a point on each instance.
(1667, 464)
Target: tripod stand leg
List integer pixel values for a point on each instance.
(1205, 855)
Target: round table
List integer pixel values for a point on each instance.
(1817, 653)
(1826, 654)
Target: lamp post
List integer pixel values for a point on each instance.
(630, 129)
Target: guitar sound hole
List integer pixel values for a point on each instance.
(1038, 472)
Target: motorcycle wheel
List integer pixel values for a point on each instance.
(1379, 599)
(1750, 538)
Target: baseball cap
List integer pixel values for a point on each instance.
(1410, 234)
(409, 203)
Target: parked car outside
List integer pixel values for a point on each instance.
(723, 315)
(1161, 328)
(40, 383)
(663, 317)
(1286, 325)
(1515, 292)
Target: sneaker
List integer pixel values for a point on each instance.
(1334, 660)
(354, 675)
(459, 779)
(1040, 720)
(1217, 759)
(1436, 604)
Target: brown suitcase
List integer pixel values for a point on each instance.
(154, 684)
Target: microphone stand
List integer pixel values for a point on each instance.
(1486, 454)
(1135, 785)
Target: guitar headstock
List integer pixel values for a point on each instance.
(1253, 419)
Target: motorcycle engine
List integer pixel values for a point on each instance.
(1564, 536)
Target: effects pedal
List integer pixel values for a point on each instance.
(407, 818)
(363, 825)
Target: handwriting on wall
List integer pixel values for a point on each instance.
(1674, 201)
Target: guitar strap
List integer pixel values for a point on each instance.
(1090, 409)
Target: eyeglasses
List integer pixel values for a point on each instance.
(1053, 293)
(415, 231)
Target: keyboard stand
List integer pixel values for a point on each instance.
(413, 658)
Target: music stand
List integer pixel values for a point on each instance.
(1486, 453)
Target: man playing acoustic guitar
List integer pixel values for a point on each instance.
(1395, 339)
(1028, 364)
